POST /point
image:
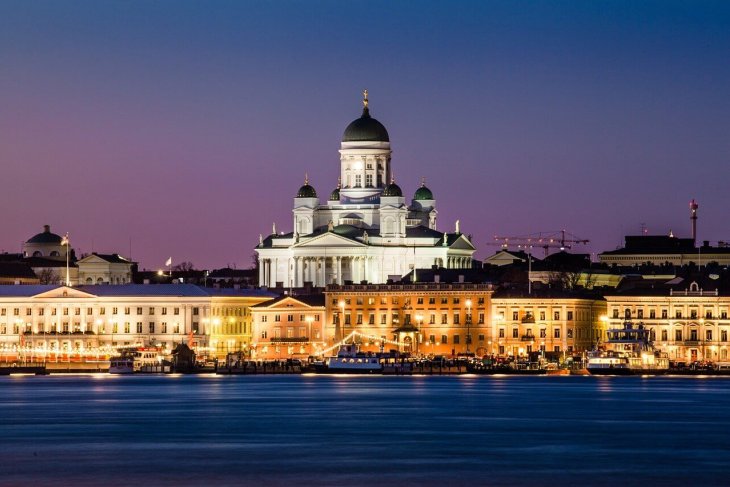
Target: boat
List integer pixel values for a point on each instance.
(349, 360)
(628, 351)
(139, 359)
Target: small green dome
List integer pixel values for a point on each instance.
(335, 195)
(423, 193)
(306, 191)
(393, 190)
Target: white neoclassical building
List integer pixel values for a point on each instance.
(365, 231)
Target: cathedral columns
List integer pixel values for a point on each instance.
(339, 270)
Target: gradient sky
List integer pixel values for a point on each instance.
(187, 127)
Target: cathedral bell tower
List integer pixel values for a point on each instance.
(364, 159)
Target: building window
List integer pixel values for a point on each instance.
(543, 333)
(444, 300)
(456, 339)
(542, 316)
(152, 311)
(640, 314)
(723, 315)
(444, 318)
(164, 327)
(127, 310)
(359, 318)
(456, 318)
(371, 320)
(481, 318)
(264, 334)
(556, 348)
(615, 314)
(556, 333)
(501, 333)
(652, 314)
(347, 319)
(723, 335)
(139, 327)
(369, 180)
(515, 332)
(277, 318)
(570, 315)
(431, 300)
(515, 315)
(481, 338)
(432, 319)
(457, 300)
(665, 335)
(164, 311)
(678, 335)
(264, 319)
(196, 311)
(419, 300)
(383, 319)
(432, 339)
(708, 335)
(678, 313)
(570, 333)
(556, 315)
(126, 327)
(445, 339)
(289, 317)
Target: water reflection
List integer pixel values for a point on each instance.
(332, 430)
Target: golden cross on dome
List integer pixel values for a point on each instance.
(365, 98)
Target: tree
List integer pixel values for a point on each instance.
(185, 266)
(48, 276)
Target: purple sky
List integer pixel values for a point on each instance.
(188, 126)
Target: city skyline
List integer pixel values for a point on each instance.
(188, 129)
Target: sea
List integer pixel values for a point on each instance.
(329, 430)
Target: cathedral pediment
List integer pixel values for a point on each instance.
(461, 243)
(329, 239)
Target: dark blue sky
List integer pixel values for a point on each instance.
(188, 126)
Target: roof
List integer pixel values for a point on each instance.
(16, 269)
(308, 299)
(242, 293)
(112, 258)
(45, 237)
(228, 273)
(26, 291)
(178, 290)
(364, 129)
(545, 293)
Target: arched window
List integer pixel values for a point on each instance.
(55, 253)
(37, 253)
(89, 280)
(100, 280)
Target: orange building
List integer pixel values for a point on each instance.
(423, 318)
(289, 326)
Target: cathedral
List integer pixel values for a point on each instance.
(365, 231)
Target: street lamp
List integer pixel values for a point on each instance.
(468, 324)
(341, 321)
(419, 319)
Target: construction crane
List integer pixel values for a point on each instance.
(547, 240)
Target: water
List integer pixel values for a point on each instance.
(335, 431)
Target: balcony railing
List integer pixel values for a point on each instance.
(527, 338)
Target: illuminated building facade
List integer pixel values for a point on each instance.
(423, 319)
(290, 326)
(50, 322)
(555, 323)
(689, 322)
(230, 323)
(365, 231)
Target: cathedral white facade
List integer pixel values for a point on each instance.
(365, 231)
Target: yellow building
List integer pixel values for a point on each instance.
(423, 318)
(555, 323)
(231, 322)
(689, 322)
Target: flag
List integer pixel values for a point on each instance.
(64, 240)
(168, 262)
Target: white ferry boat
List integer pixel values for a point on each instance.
(349, 360)
(628, 351)
(136, 360)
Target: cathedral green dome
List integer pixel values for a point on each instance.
(423, 193)
(335, 195)
(306, 191)
(392, 190)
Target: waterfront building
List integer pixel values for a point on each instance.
(556, 323)
(365, 231)
(424, 318)
(687, 317)
(75, 323)
(663, 249)
(230, 323)
(289, 326)
(98, 268)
